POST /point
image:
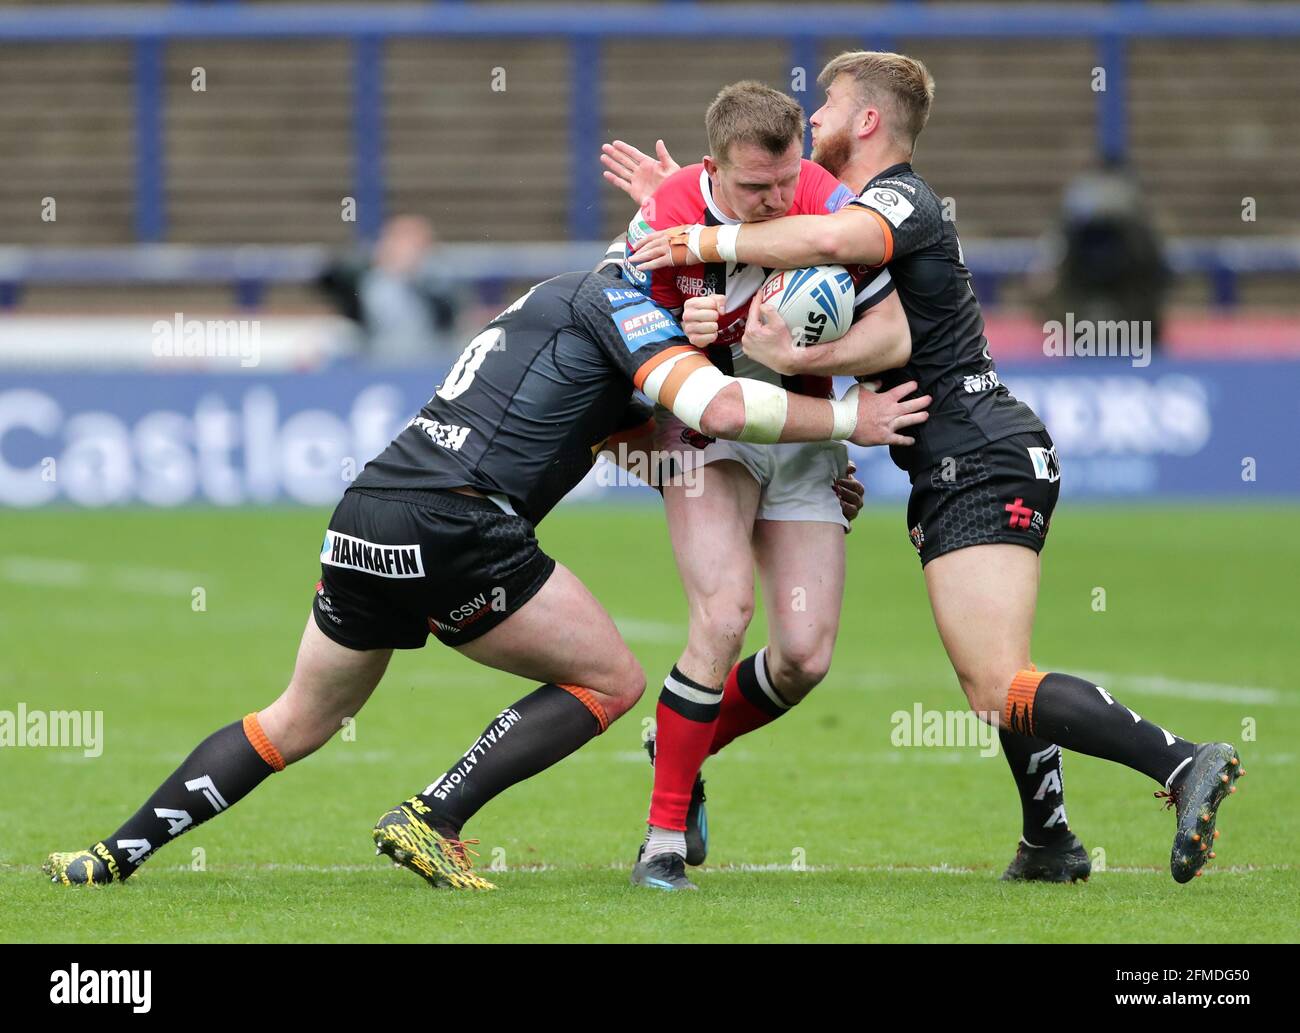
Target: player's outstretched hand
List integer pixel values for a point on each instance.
(767, 338)
(882, 416)
(850, 491)
(700, 319)
(635, 173)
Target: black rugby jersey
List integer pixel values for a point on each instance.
(532, 399)
(950, 358)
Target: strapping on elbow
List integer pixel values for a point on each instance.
(725, 416)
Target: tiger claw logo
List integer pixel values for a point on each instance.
(918, 537)
(696, 439)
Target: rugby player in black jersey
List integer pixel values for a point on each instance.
(984, 472)
(436, 535)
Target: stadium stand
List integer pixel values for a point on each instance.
(112, 127)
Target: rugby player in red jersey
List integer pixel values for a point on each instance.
(770, 506)
(984, 471)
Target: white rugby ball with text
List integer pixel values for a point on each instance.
(816, 302)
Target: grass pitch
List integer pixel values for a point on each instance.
(822, 829)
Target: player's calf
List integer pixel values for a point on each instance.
(329, 680)
(223, 769)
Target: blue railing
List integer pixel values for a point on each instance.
(1111, 26)
(250, 269)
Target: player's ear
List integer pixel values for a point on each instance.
(868, 121)
(710, 166)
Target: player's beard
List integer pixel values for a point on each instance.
(833, 152)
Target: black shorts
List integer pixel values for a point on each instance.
(1003, 492)
(399, 564)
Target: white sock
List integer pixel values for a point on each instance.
(664, 841)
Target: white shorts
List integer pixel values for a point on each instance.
(795, 480)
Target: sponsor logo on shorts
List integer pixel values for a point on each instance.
(918, 537)
(396, 561)
(696, 439)
(1020, 514)
(1023, 518)
(1046, 466)
(986, 381)
(462, 616)
(325, 604)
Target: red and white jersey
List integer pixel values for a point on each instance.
(685, 198)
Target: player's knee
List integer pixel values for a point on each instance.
(986, 690)
(625, 687)
(296, 727)
(798, 668)
(721, 622)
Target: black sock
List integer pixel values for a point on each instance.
(540, 730)
(1085, 717)
(223, 769)
(1036, 767)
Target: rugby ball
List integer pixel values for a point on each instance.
(816, 303)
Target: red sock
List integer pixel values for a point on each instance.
(687, 715)
(748, 701)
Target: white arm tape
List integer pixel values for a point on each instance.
(696, 392)
(727, 242)
(766, 405)
(845, 412)
(693, 241)
(765, 411)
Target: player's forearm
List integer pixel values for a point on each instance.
(749, 410)
(706, 399)
(788, 243)
(848, 237)
(880, 340)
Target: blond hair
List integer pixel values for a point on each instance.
(902, 82)
(750, 112)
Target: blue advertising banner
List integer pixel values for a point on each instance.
(1191, 429)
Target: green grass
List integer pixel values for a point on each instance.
(899, 843)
